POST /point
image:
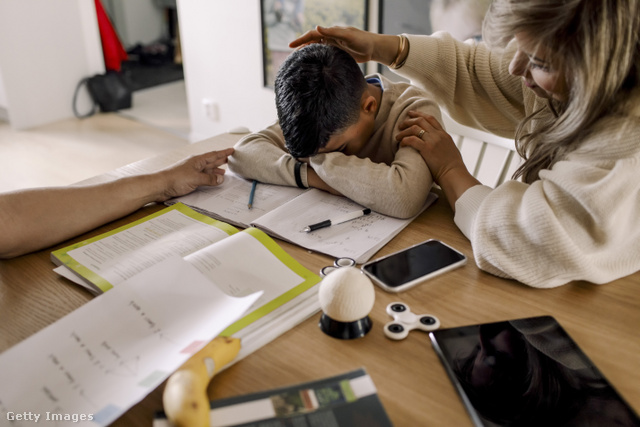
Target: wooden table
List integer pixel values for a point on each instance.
(412, 384)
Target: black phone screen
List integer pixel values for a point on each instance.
(413, 263)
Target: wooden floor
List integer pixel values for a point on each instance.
(69, 151)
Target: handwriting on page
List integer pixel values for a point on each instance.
(349, 239)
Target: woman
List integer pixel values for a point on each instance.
(562, 78)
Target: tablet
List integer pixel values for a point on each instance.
(528, 372)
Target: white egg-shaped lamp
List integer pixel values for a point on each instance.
(346, 298)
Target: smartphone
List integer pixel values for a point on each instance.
(406, 268)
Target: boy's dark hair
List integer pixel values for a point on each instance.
(318, 92)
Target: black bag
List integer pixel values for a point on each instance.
(108, 91)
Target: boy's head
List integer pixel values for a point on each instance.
(319, 90)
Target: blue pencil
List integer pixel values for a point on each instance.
(253, 192)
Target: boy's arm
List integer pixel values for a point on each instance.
(399, 189)
(263, 156)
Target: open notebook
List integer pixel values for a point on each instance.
(284, 212)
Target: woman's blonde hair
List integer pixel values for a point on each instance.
(597, 45)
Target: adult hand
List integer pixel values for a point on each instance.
(362, 45)
(425, 134)
(187, 175)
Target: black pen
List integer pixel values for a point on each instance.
(338, 220)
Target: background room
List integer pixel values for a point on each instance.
(199, 68)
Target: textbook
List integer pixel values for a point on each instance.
(284, 212)
(239, 263)
(346, 400)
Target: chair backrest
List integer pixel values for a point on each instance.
(490, 158)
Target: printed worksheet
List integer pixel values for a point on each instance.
(119, 256)
(92, 365)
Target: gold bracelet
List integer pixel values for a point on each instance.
(406, 55)
(395, 64)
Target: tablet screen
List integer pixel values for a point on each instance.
(528, 372)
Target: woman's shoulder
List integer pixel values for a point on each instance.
(613, 137)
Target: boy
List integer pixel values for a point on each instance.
(336, 132)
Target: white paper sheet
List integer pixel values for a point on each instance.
(107, 355)
(240, 265)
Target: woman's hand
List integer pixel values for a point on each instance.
(362, 45)
(425, 134)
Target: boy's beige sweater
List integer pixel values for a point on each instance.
(388, 179)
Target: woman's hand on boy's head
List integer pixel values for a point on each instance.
(358, 43)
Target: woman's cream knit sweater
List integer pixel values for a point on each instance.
(581, 219)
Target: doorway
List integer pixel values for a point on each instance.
(149, 32)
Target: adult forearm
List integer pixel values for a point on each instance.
(388, 48)
(455, 182)
(37, 218)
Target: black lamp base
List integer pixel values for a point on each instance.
(345, 330)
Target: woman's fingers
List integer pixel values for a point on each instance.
(356, 42)
(411, 130)
(432, 121)
(311, 36)
(425, 134)
(416, 124)
(331, 35)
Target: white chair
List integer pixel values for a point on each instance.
(490, 159)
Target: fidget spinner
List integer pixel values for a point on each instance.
(405, 321)
(338, 263)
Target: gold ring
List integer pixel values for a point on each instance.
(420, 133)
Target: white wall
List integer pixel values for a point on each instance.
(4, 109)
(222, 54)
(46, 48)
